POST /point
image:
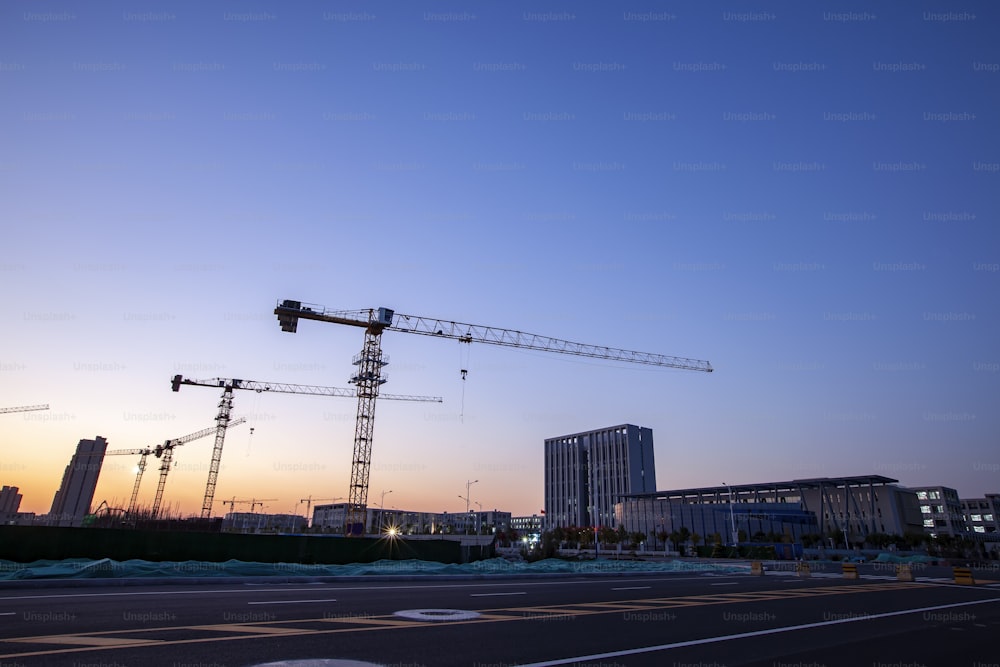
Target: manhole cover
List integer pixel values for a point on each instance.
(437, 614)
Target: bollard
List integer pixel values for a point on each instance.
(963, 575)
(802, 570)
(850, 571)
(904, 572)
(757, 568)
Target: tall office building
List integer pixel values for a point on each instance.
(10, 502)
(587, 473)
(76, 493)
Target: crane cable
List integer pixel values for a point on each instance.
(464, 365)
(253, 420)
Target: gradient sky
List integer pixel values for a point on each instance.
(804, 194)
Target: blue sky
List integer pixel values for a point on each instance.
(803, 194)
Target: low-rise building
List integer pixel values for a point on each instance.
(854, 506)
(255, 522)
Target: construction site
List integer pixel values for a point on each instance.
(136, 528)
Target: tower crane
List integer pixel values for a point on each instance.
(164, 452)
(310, 500)
(24, 408)
(253, 503)
(370, 361)
(226, 405)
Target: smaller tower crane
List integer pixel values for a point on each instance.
(165, 453)
(310, 500)
(226, 405)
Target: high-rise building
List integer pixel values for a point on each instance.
(10, 502)
(587, 473)
(76, 493)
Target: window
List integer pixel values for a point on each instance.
(977, 517)
(987, 517)
(928, 523)
(939, 509)
(921, 495)
(934, 495)
(925, 509)
(979, 529)
(941, 522)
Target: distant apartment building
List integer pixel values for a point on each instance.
(857, 506)
(76, 493)
(587, 473)
(330, 518)
(982, 516)
(528, 526)
(941, 511)
(255, 522)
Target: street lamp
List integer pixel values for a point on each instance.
(381, 509)
(732, 517)
(467, 497)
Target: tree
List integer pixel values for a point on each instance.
(663, 536)
(637, 538)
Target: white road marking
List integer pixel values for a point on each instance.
(726, 583)
(633, 588)
(387, 587)
(289, 601)
(744, 635)
(8, 613)
(486, 595)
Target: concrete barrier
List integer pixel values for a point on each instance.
(850, 571)
(757, 568)
(963, 575)
(802, 570)
(904, 572)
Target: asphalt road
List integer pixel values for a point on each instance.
(694, 620)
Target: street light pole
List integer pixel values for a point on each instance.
(468, 484)
(732, 517)
(381, 510)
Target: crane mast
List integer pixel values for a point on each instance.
(226, 405)
(370, 362)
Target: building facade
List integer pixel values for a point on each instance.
(855, 506)
(76, 492)
(982, 516)
(723, 523)
(330, 519)
(587, 473)
(254, 522)
(941, 511)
